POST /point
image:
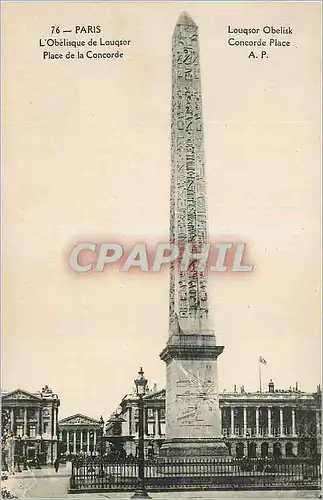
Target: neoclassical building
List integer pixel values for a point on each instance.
(80, 434)
(32, 425)
(255, 424)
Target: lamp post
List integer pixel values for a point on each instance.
(141, 384)
(101, 445)
(24, 452)
(91, 444)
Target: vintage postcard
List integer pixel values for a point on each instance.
(161, 249)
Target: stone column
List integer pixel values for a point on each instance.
(157, 432)
(293, 422)
(257, 420)
(281, 421)
(88, 442)
(129, 421)
(74, 442)
(61, 435)
(54, 423)
(295, 448)
(68, 441)
(50, 426)
(38, 422)
(25, 421)
(94, 444)
(12, 420)
(269, 421)
(81, 440)
(244, 421)
(232, 421)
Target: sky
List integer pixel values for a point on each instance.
(87, 158)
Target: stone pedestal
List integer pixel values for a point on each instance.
(193, 419)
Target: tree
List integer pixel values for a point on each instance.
(5, 431)
(5, 426)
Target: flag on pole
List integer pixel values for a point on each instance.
(262, 361)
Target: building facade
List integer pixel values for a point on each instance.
(273, 423)
(32, 425)
(80, 434)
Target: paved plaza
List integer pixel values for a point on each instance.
(47, 484)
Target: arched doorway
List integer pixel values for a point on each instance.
(264, 450)
(240, 450)
(277, 450)
(252, 450)
(289, 449)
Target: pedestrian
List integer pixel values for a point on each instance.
(56, 465)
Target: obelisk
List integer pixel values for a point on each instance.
(193, 419)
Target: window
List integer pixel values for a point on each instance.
(150, 412)
(20, 430)
(32, 430)
(117, 429)
(45, 427)
(162, 412)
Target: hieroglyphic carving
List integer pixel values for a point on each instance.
(188, 217)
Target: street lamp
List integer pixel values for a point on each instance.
(101, 434)
(91, 447)
(141, 384)
(101, 444)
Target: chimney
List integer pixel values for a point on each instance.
(271, 386)
(234, 388)
(155, 388)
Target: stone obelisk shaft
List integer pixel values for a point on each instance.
(193, 422)
(188, 218)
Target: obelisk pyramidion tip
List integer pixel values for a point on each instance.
(184, 18)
